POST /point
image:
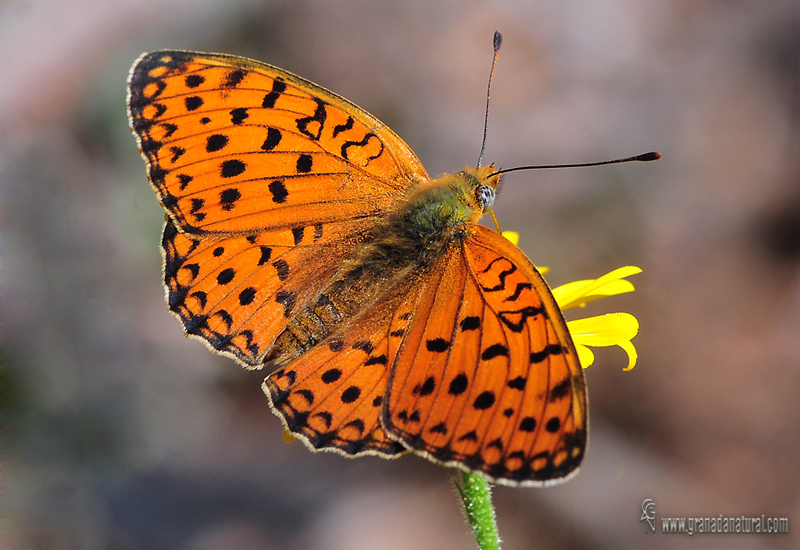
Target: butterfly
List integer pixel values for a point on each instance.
(304, 236)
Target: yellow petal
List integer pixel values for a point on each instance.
(574, 294)
(288, 437)
(585, 355)
(604, 330)
(512, 236)
(579, 293)
(632, 355)
(613, 329)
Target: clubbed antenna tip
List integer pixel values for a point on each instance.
(497, 41)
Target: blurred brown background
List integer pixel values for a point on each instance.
(120, 433)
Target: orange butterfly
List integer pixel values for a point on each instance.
(304, 235)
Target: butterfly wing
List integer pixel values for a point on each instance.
(236, 294)
(270, 182)
(237, 146)
(487, 377)
(332, 398)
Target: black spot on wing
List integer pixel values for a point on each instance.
(470, 323)
(515, 319)
(226, 276)
(184, 180)
(312, 126)
(228, 198)
(339, 128)
(348, 144)
(233, 78)
(197, 204)
(351, 394)
(231, 168)
(278, 87)
(527, 424)
(501, 276)
(238, 115)
(331, 375)
(194, 80)
(517, 383)
(169, 128)
(437, 345)
(426, 388)
(177, 152)
(551, 349)
(304, 163)
(282, 269)
(274, 137)
(194, 269)
(440, 428)
(553, 425)
(518, 291)
(356, 424)
(458, 384)
(278, 190)
(484, 400)
(325, 416)
(193, 103)
(297, 234)
(560, 390)
(496, 443)
(495, 350)
(266, 254)
(247, 296)
(201, 297)
(308, 395)
(216, 142)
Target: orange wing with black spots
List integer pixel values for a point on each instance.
(238, 293)
(487, 377)
(234, 146)
(304, 235)
(472, 366)
(254, 166)
(332, 399)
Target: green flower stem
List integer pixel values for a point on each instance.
(476, 495)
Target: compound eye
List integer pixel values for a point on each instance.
(486, 196)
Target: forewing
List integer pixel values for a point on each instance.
(234, 146)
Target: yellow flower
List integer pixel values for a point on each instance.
(612, 329)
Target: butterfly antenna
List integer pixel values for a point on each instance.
(497, 42)
(645, 157)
